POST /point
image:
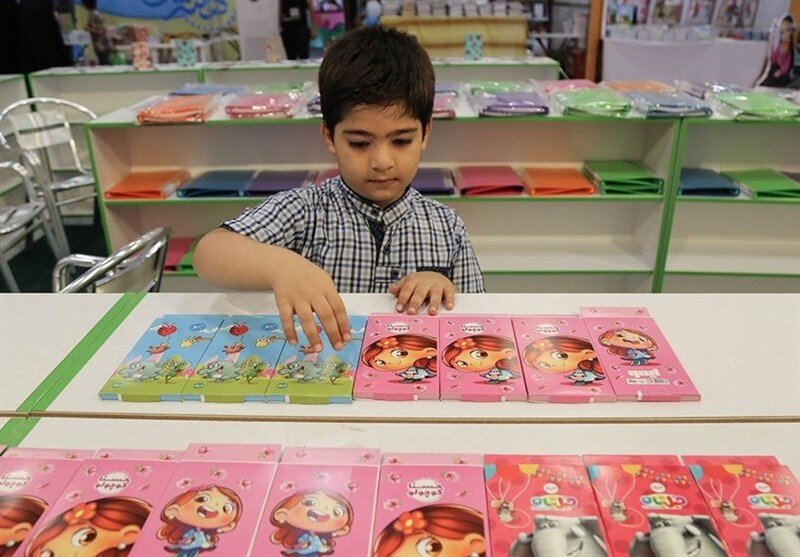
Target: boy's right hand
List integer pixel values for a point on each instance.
(304, 289)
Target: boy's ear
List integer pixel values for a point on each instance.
(427, 135)
(328, 135)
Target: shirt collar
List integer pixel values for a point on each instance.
(389, 216)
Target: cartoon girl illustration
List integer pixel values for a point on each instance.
(434, 531)
(411, 357)
(102, 528)
(307, 522)
(18, 514)
(194, 519)
(572, 357)
(493, 357)
(636, 348)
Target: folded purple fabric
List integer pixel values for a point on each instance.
(511, 104)
(433, 181)
(268, 182)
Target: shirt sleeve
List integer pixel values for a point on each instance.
(467, 275)
(278, 221)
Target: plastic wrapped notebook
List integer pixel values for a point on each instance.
(217, 183)
(548, 86)
(495, 87)
(623, 177)
(706, 182)
(447, 88)
(268, 182)
(765, 183)
(208, 89)
(600, 102)
(433, 181)
(636, 85)
(703, 89)
(668, 104)
(178, 110)
(488, 180)
(148, 185)
(444, 106)
(758, 105)
(263, 105)
(556, 181)
(510, 104)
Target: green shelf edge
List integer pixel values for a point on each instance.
(733, 274)
(739, 201)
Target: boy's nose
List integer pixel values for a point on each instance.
(381, 160)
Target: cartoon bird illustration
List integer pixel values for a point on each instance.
(263, 342)
(191, 341)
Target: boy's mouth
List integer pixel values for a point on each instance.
(383, 182)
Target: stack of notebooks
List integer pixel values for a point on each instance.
(623, 177)
(178, 110)
(434, 181)
(595, 101)
(487, 180)
(266, 500)
(703, 182)
(765, 183)
(279, 104)
(759, 105)
(148, 185)
(601, 355)
(556, 181)
(658, 100)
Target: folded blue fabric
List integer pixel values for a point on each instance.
(217, 183)
(666, 105)
(208, 89)
(705, 182)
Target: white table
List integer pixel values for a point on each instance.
(741, 351)
(36, 332)
(725, 60)
(782, 440)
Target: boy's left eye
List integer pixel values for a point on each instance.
(402, 142)
(358, 144)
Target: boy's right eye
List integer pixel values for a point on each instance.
(358, 144)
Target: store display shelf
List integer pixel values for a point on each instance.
(741, 200)
(741, 257)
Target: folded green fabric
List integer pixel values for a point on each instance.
(495, 87)
(187, 261)
(765, 183)
(759, 105)
(623, 177)
(592, 101)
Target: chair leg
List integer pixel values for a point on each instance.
(5, 270)
(49, 232)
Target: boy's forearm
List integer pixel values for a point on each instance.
(230, 260)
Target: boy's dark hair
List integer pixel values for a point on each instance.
(376, 66)
(89, 4)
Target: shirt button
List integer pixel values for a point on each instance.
(394, 274)
(386, 250)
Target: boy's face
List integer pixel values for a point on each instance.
(378, 151)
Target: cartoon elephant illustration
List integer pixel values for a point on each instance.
(560, 536)
(781, 537)
(678, 536)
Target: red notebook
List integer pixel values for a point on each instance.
(176, 249)
(488, 180)
(148, 185)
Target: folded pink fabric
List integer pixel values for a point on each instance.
(488, 180)
(259, 105)
(176, 249)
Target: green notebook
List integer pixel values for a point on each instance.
(765, 183)
(602, 102)
(623, 177)
(759, 105)
(494, 87)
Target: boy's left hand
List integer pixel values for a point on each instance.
(413, 290)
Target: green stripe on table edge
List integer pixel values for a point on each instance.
(15, 430)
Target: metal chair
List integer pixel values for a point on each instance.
(136, 267)
(17, 221)
(38, 136)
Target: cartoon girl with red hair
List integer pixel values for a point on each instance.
(411, 357)
(631, 346)
(434, 531)
(493, 357)
(194, 520)
(18, 514)
(107, 527)
(572, 357)
(307, 522)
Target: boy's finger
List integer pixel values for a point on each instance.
(449, 296)
(404, 296)
(329, 323)
(287, 322)
(420, 294)
(435, 299)
(395, 287)
(340, 313)
(309, 327)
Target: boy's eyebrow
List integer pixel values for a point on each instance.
(368, 134)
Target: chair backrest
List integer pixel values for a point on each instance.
(136, 267)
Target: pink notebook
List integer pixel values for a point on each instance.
(488, 180)
(398, 358)
(102, 509)
(558, 360)
(429, 503)
(322, 499)
(212, 502)
(28, 486)
(637, 358)
(646, 460)
(62, 454)
(542, 505)
(748, 461)
(138, 454)
(478, 359)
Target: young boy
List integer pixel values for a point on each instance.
(365, 230)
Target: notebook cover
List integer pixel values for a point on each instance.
(101, 508)
(655, 104)
(433, 181)
(239, 361)
(755, 507)
(255, 105)
(647, 463)
(178, 110)
(559, 362)
(59, 454)
(765, 183)
(217, 183)
(211, 505)
(748, 461)
(148, 185)
(398, 358)
(556, 181)
(542, 504)
(598, 101)
(321, 499)
(176, 249)
(759, 105)
(307, 377)
(137, 454)
(648, 85)
(444, 106)
(639, 362)
(478, 359)
(163, 360)
(511, 104)
(662, 513)
(548, 86)
(706, 182)
(427, 498)
(623, 177)
(267, 182)
(487, 180)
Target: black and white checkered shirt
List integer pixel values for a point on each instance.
(363, 248)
